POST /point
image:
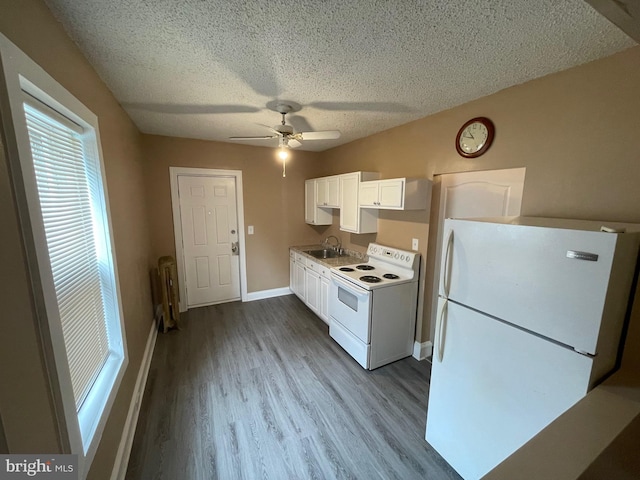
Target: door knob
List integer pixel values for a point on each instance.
(235, 248)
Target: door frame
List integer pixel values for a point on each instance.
(174, 172)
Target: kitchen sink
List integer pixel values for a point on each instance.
(324, 253)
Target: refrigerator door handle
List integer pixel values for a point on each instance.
(447, 266)
(442, 321)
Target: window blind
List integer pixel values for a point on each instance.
(67, 189)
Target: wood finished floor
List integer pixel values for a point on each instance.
(259, 390)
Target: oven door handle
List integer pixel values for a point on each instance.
(353, 289)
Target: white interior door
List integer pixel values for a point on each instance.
(209, 222)
(488, 193)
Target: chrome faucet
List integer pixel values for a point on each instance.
(335, 247)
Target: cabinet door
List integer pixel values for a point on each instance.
(333, 192)
(300, 280)
(292, 274)
(323, 310)
(310, 201)
(312, 213)
(390, 193)
(321, 192)
(368, 194)
(349, 208)
(312, 290)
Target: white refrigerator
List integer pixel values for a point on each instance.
(530, 316)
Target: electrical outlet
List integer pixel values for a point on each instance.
(414, 244)
(250, 229)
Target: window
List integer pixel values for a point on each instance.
(67, 184)
(61, 172)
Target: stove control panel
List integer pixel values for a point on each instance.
(393, 255)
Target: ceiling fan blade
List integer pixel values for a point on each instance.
(323, 135)
(264, 137)
(293, 143)
(276, 132)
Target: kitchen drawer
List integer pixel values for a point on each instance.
(292, 254)
(325, 272)
(300, 258)
(312, 265)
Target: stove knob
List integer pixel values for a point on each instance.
(408, 258)
(402, 258)
(396, 255)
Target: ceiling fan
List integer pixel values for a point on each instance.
(285, 133)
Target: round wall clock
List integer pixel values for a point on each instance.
(475, 137)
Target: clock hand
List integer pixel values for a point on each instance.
(468, 135)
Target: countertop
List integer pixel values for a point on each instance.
(598, 434)
(350, 258)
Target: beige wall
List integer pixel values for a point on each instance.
(30, 25)
(272, 204)
(575, 131)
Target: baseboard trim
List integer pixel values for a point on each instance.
(126, 442)
(274, 292)
(422, 350)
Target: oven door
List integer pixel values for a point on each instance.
(350, 306)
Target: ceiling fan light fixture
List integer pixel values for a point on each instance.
(283, 153)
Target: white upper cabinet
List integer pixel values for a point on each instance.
(352, 218)
(395, 194)
(312, 213)
(328, 192)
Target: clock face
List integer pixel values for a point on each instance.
(475, 137)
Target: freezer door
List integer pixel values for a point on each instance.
(493, 387)
(558, 283)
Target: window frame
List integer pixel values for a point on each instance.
(83, 429)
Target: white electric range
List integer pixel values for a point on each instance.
(372, 306)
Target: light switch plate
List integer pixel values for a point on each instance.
(414, 244)
(250, 229)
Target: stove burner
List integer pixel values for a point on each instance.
(390, 276)
(347, 269)
(365, 267)
(370, 279)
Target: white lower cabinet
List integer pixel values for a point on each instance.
(310, 281)
(292, 271)
(299, 280)
(323, 311)
(312, 289)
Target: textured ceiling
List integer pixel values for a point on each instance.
(208, 68)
